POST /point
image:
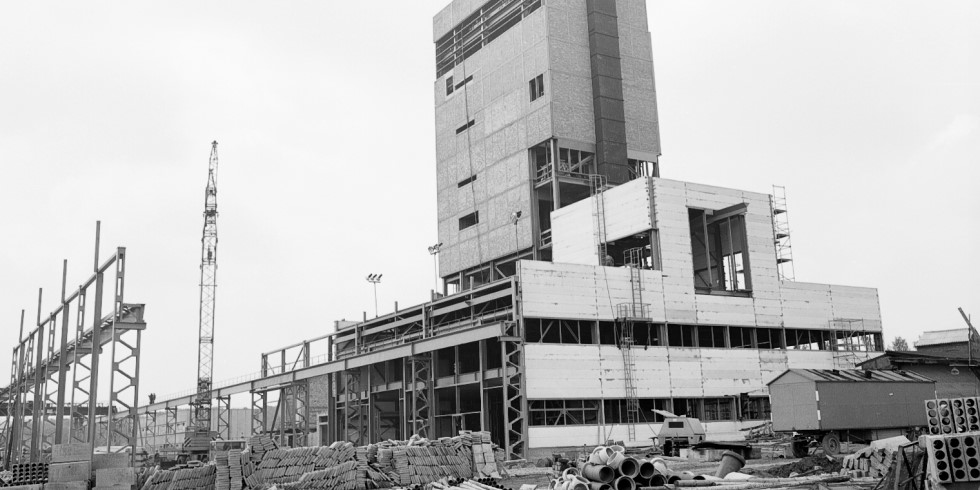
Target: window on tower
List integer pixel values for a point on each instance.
(536, 87)
(719, 251)
(469, 220)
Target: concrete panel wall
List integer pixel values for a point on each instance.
(560, 371)
(494, 149)
(670, 292)
(639, 89)
(593, 435)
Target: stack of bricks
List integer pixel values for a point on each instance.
(868, 462)
(71, 467)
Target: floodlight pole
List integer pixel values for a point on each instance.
(434, 251)
(375, 279)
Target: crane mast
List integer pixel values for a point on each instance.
(209, 274)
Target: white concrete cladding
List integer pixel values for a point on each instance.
(590, 292)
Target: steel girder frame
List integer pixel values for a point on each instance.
(260, 412)
(354, 430)
(224, 417)
(124, 379)
(296, 407)
(170, 430)
(515, 402)
(422, 384)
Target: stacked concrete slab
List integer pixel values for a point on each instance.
(113, 472)
(71, 467)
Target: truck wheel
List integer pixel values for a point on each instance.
(831, 444)
(801, 449)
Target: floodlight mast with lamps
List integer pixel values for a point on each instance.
(434, 251)
(375, 279)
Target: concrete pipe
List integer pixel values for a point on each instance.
(599, 473)
(570, 471)
(577, 484)
(629, 467)
(658, 480)
(646, 469)
(598, 485)
(624, 483)
(730, 461)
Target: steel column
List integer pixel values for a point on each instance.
(224, 417)
(260, 407)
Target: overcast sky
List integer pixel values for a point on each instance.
(868, 112)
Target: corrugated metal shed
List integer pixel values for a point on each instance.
(856, 376)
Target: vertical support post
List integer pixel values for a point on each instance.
(422, 384)
(260, 406)
(515, 399)
(170, 430)
(126, 332)
(80, 373)
(224, 417)
(62, 359)
(37, 409)
(555, 188)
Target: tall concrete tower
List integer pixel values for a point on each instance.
(533, 99)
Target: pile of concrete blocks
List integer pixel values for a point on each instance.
(868, 462)
(288, 465)
(484, 460)
(341, 477)
(953, 458)
(71, 467)
(953, 415)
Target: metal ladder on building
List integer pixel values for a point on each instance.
(780, 230)
(628, 312)
(597, 184)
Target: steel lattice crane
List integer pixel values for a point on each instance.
(209, 274)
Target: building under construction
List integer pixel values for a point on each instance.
(581, 290)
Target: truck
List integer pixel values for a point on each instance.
(822, 407)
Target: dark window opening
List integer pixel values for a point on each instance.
(536, 87)
(464, 82)
(643, 168)
(769, 338)
(465, 126)
(563, 412)
(719, 250)
(467, 180)
(687, 406)
(469, 220)
(646, 334)
(740, 338)
(718, 409)
(607, 333)
(756, 408)
(680, 336)
(449, 85)
(711, 336)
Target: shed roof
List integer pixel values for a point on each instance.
(939, 337)
(856, 376)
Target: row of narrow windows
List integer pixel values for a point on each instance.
(480, 28)
(647, 334)
(614, 411)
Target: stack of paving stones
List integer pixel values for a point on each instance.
(868, 462)
(201, 478)
(415, 462)
(222, 471)
(71, 467)
(113, 471)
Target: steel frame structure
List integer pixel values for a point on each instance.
(39, 382)
(488, 314)
(209, 283)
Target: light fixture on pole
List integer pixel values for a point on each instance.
(433, 251)
(515, 217)
(375, 279)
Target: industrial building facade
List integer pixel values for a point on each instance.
(582, 291)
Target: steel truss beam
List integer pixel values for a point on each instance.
(422, 384)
